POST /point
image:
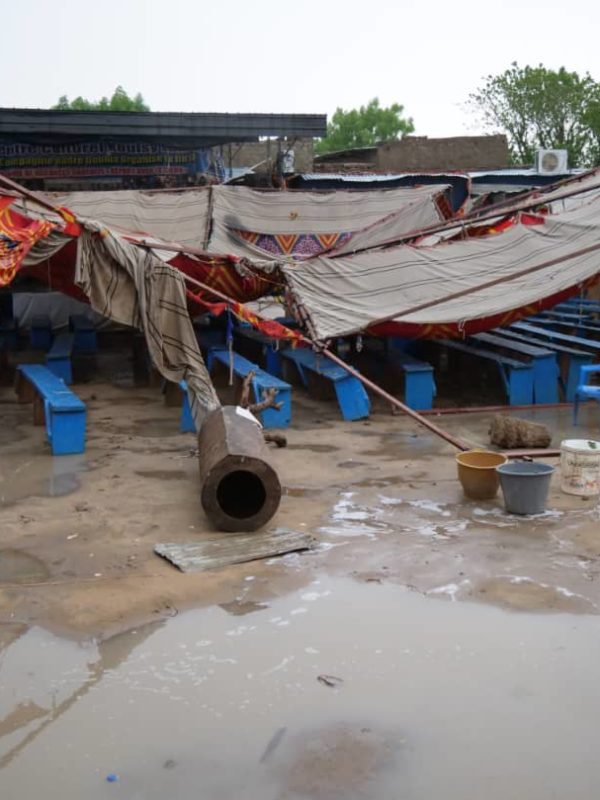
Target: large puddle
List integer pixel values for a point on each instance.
(340, 690)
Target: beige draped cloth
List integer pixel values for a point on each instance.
(132, 286)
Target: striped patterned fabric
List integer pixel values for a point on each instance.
(379, 288)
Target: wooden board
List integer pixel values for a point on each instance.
(213, 552)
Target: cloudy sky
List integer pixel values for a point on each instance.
(304, 56)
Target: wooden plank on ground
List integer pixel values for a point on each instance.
(227, 548)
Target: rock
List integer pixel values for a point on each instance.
(512, 433)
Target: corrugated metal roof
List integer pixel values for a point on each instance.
(202, 128)
(372, 177)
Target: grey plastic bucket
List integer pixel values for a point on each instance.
(525, 486)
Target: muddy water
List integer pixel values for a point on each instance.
(435, 700)
(23, 476)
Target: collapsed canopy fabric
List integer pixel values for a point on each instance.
(350, 294)
(121, 281)
(131, 286)
(342, 220)
(181, 217)
(253, 223)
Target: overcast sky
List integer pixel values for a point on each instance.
(308, 56)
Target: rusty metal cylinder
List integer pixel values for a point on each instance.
(240, 489)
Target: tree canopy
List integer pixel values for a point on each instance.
(120, 101)
(538, 107)
(364, 126)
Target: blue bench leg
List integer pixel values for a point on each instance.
(419, 390)
(575, 364)
(520, 387)
(66, 432)
(278, 418)
(273, 362)
(352, 398)
(186, 424)
(61, 367)
(545, 379)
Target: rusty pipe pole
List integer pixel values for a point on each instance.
(453, 440)
(240, 489)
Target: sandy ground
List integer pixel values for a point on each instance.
(381, 497)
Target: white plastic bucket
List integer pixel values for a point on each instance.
(580, 467)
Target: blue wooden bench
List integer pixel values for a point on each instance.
(176, 394)
(517, 376)
(54, 405)
(547, 334)
(265, 347)
(210, 340)
(40, 332)
(84, 332)
(563, 316)
(575, 327)
(419, 382)
(351, 395)
(575, 358)
(581, 304)
(58, 358)
(544, 361)
(270, 417)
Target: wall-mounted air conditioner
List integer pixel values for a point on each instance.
(552, 162)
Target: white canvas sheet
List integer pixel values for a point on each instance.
(347, 294)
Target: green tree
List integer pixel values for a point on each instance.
(120, 101)
(364, 126)
(542, 108)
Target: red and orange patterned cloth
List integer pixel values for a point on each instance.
(17, 236)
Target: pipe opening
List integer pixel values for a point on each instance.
(241, 494)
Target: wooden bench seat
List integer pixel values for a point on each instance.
(265, 349)
(351, 395)
(575, 358)
(517, 376)
(54, 405)
(548, 334)
(544, 361)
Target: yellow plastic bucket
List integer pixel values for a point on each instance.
(477, 473)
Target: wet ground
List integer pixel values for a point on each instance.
(429, 647)
(422, 699)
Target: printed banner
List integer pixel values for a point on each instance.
(83, 159)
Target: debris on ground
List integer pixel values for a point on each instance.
(512, 433)
(220, 551)
(330, 680)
